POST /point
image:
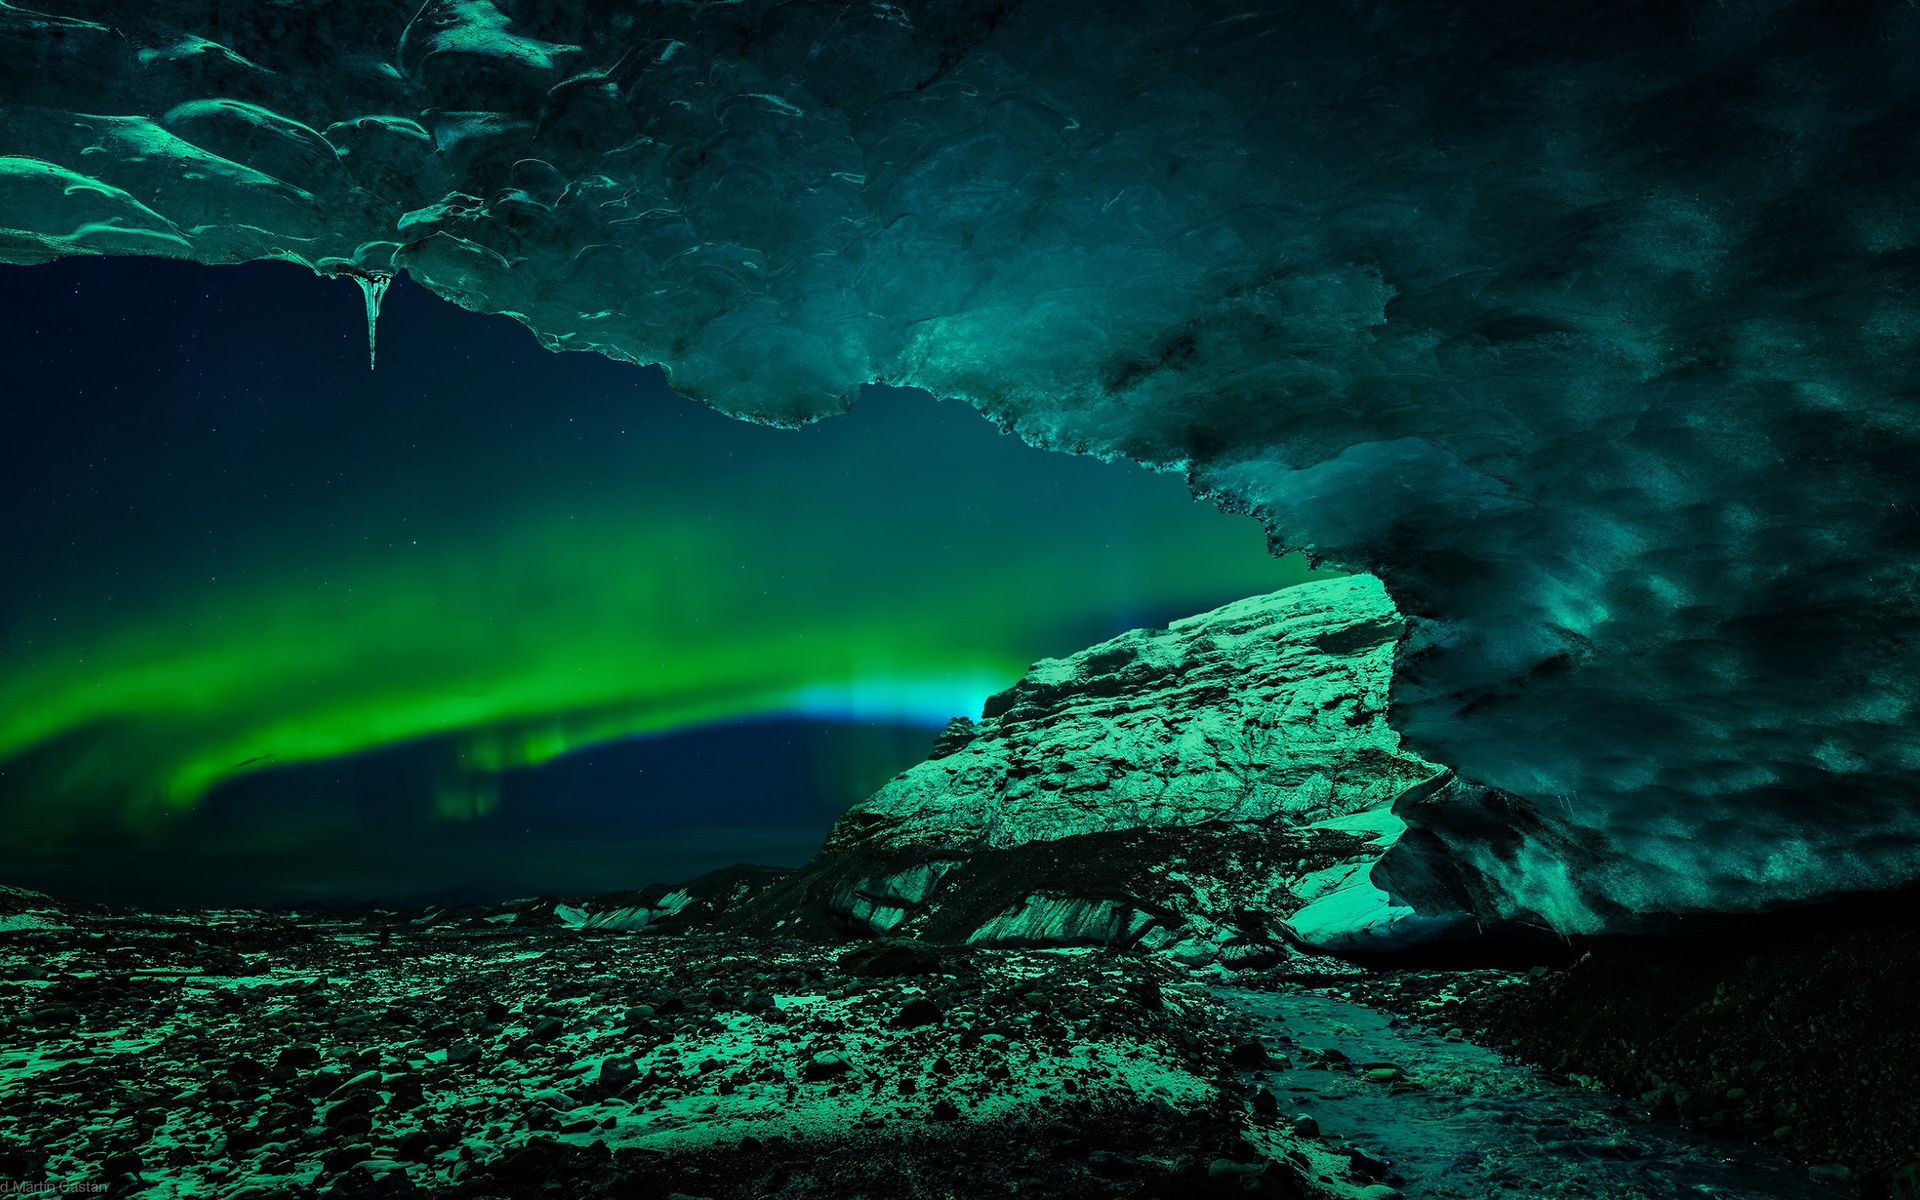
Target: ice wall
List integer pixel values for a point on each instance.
(1590, 328)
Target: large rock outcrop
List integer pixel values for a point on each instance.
(1181, 790)
(1274, 706)
(1590, 328)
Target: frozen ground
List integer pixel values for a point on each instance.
(253, 1056)
(240, 1054)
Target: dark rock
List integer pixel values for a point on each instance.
(365, 1081)
(1242, 954)
(1250, 1056)
(1108, 1165)
(955, 736)
(345, 1156)
(124, 1163)
(617, 1073)
(1306, 1127)
(355, 1105)
(415, 1147)
(918, 1012)
(944, 1110)
(1365, 1164)
(890, 959)
(1906, 1182)
(827, 1064)
(298, 1057)
(240, 1139)
(1283, 1179)
(356, 1181)
(354, 1127)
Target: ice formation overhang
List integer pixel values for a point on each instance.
(1590, 327)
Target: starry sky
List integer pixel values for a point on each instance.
(488, 619)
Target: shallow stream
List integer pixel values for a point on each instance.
(1458, 1120)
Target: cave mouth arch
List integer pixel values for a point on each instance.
(1585, 334)
(331, 633)
(1589, 335)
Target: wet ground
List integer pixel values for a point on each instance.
(1442, 1117)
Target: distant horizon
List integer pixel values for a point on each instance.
(491, 613)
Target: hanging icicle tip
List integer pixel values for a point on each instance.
(373, 285)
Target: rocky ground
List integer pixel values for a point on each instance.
(518, 1050)
(254, 1055)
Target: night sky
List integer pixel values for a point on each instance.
(491, 618)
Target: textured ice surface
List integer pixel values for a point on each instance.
(1590, 328)
(1269, 707)
(1168, 790)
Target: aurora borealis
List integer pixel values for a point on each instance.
(238, 552)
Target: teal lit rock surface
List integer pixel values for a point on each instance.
(1182, 791)
(1274, 706)
(1591, 330)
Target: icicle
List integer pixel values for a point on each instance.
(373, 287)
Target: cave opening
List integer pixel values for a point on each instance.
(409, 679)
(491, 622)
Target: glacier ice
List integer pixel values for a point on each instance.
(1591, 329)
(1270, 708)
(373, 287)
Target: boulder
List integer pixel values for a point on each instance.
(824, 1065)
(918, 1012)
(889, 959)
(616, 1073)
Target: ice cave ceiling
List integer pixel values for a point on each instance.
(1590, 328)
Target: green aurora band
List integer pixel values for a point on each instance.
(899, 563)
